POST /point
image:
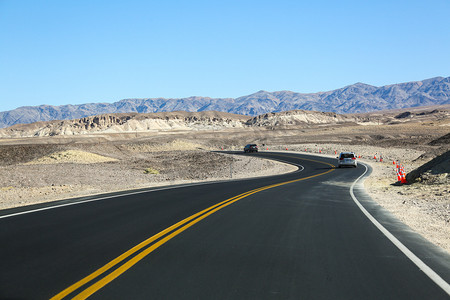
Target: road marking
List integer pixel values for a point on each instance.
(417, 261)
(175, 230)
(132, 251)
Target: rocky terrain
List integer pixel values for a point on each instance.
(356, 98)
(211, 120)
(132, 122)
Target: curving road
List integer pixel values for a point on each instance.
(295, 236)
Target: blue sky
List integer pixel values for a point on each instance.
(72, 52)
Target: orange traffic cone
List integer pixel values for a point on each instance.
(403, 179)
(401, 174)
(399, 178)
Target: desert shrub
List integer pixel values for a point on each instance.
(151, 171)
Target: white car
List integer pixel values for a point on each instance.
(347, 159)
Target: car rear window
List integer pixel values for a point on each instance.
(347, 155)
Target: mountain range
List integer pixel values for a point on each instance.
(355, 98)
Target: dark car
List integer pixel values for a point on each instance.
(251, 148)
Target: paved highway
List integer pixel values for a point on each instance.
(303, 235)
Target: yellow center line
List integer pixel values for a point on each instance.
(180, 227)
(133, 250)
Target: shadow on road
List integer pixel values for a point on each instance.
(326, 168)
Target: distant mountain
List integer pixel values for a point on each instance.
(355, 98)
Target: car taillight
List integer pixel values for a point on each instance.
(353, 157)
(342, 158)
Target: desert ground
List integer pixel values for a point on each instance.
(42, 169)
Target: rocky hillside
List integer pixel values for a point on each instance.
(213, 120)
(299, 117)
(131, 122)
(356, 98)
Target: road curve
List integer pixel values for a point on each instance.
(293, 236)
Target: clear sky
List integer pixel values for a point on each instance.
(72, 52)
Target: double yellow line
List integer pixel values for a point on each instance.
(165, 235)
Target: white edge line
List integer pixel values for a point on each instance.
(134, 193)
(92, 200)
(417, 261)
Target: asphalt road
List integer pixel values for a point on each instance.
(293, 236)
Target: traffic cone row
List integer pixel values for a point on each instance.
(401, 175)
(378, 158)
(398, 167)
